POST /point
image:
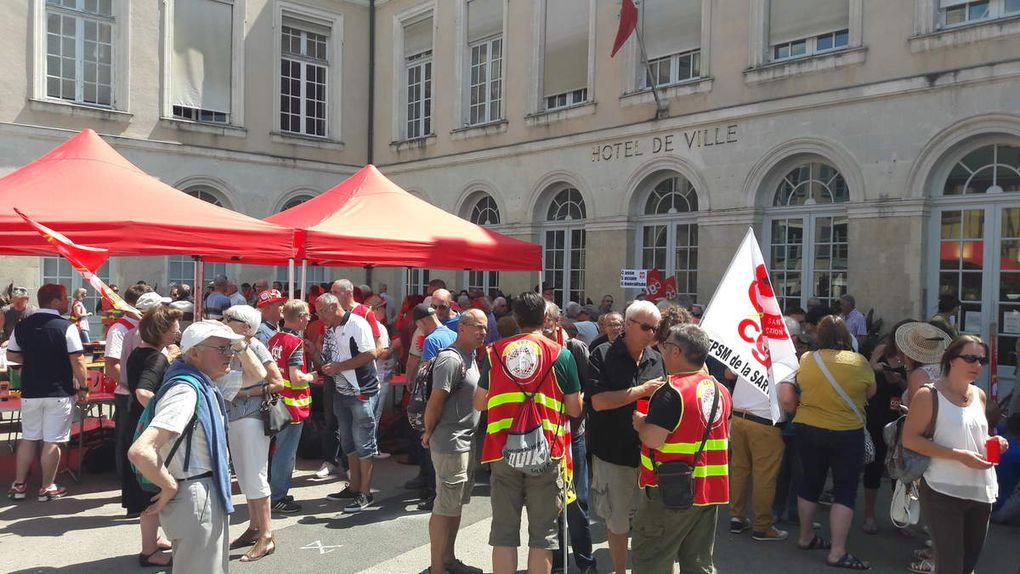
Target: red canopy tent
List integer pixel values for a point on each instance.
(369, 221)
(90, 193)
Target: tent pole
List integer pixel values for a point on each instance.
(304, 277)
(199, 287)
(290, 277)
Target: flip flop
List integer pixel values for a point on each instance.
(817, 543)
(849, 561)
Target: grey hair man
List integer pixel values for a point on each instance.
(343, 290)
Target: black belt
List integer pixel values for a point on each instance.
(196, 477)
(755, 419)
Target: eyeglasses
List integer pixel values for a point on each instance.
(644, 326)
(221, 349)
(971, 359)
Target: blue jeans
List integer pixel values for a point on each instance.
(356, 420)
(577, 511)
(281, 467)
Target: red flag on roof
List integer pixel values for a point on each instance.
(628, 22)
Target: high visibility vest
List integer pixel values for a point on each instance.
(110, 314)
(711, 475)
(297, 397)
(529, 358)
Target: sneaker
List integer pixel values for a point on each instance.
(738, 525)
(52, 493)
(361, 502)
(17, 491)
(289, 498)
(325, 470)
(284, 506)
(772, 534)
(345, 494)
(382, 455)
(458, 567)
(416, 483)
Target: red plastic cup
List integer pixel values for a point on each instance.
(993, 451)
(642, 406)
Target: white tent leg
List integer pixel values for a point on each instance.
(290, 277)
(304, 278)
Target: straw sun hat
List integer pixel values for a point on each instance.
(922, 342)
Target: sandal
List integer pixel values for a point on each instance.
(849, 561)
(923, 566)
(817, 543)
(145, 560)
(250, 536)
(264, 547)
(165, 545)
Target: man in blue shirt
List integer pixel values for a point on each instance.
(442, 302)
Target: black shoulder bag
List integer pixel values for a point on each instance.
(675, 477)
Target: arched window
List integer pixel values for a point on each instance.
(485, 212)
(315, 274)
(989, 169)
(295, 201)
(668, 237)
(807, 228)
(181, 268)
(563, 246)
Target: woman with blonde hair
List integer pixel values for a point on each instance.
(79, 315)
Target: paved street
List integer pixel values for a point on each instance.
(86, 534)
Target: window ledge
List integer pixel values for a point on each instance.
(419, 143)
(480, 130)
(690, 87)
(82, 110)
(966, 34)
(569, 112)
(226, 130)
(805, 65)
(306, 141)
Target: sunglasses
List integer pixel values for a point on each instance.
(441, 307)
(644, 326)
(971, 359)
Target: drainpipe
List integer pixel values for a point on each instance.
(371, 80)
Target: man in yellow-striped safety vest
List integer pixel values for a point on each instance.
(687, 422)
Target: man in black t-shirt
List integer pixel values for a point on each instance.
(621, 373)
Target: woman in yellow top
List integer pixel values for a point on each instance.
(830, 436)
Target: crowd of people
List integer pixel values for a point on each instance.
(568, 413)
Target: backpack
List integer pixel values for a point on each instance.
(902, 463)
(527, 449)
(146, 417)
(421, 390)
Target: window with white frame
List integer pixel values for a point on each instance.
(418, 79)
(485, 61)
(798, 28)
(565, 60)
(485, 212)
(564, 246)
(304, 69)
(669, 232)
(201, 74)
(416, 281)
(79, 51)
(59, 270)
(671, 30)
(960, 12)
(808, 235)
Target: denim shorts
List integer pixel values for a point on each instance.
(357, 424)
(822, 450)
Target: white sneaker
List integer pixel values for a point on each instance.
(325, 470)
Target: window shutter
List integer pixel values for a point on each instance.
(566, 46)
(418, 38)
(201, 61)
(315, 27)
(951, 3)
(798, 19)
(485, 19)
(670, 26)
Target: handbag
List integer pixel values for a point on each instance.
(902, 463)
(869, 445)
(905, 508)
(675, 477)
(275, 415)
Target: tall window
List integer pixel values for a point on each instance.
(565, 72)
(200, 86)
(485, 213)
(961, 12)
(59, 270)
(669, 234)
(304, 67)
(415, 280)
(485, 44)
(671, 30)
(563, 257)
(989, 169)
(79, 51)
(181, 268)
(805, 27)
(808, 235)
(418, 79)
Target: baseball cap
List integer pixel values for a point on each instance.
(268, 297)
(149, 300)
(201, 330)
(19, 293)
(421, 310)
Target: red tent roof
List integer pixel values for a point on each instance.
(90, 193)
(367, 220)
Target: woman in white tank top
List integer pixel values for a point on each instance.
(959, 486)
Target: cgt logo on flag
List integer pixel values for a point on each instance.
(770, 318)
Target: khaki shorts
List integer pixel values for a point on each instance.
(615, 494)
(510, 491)
(454, 481)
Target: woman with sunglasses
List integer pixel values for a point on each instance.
(959, 487)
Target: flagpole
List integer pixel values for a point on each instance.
(660, 112)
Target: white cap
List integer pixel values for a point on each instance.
(149, 300)
(201, 330)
